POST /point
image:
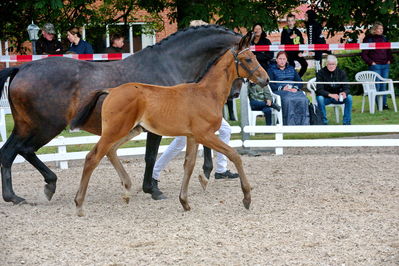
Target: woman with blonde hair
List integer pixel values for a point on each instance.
(379, 60)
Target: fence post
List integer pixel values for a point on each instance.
(62, 150)
(279, 136)
(244, 118)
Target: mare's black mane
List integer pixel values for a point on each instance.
(191, 33)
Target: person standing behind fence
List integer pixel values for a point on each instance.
(260, 39)
(333, 93)
(314, 31)
(292, 35)
(379, 60)
(48, 43)
(117, 43)
(78, 46)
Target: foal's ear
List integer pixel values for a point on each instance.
(245, 41)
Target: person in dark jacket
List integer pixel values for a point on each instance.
(117, 43)
(378, 60)
(260, 39)
(314, 31)
(48, 43)
(333, 93)
(78, 46)
(292, 35)
(293, 100)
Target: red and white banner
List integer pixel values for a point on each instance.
(323, 47)
(91, 57)
(259, 48)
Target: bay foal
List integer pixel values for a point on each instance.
(191, 109)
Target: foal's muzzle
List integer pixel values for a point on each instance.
(262, 82)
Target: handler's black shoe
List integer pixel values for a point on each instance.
(226, 175)
(156, 192)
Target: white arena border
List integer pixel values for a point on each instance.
(62, 156)
(279, 142)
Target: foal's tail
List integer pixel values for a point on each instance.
(84, 113)
(4, 74)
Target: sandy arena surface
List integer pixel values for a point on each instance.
(332, 206)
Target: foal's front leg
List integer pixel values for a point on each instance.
(189, 163)
(212, 141)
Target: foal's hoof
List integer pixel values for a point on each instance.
(185, 205)
(126, 198)
(203, 181)
(49, 190)
(247, 203)
(80, 212)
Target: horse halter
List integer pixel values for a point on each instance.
(237, 62)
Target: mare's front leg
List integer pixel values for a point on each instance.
(189, 163)
(114, 159)
(151, 153)
(212, 141)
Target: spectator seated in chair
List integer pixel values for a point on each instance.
(333, 93)
(294, 102)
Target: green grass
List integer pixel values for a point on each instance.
(379, 118)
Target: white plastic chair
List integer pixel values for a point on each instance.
(312, 88)
(370, 90)
(4, 104)
(277, 116)
(4, 109)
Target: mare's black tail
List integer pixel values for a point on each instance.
(4, 74)
(84, 113)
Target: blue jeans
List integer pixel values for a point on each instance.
(261, 106)
(323, 101)
(383, 70)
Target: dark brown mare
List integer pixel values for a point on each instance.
(45, 95)
(190, 109)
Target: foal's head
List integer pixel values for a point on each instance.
(247, 66)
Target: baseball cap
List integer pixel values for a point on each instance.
(49, 28)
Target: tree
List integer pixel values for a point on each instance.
(358, 15)
(15, 16)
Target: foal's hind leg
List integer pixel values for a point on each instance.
(189, 163)
(114, 159)
(213, 142)
(93, 158)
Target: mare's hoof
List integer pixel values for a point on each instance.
(49, 190)
(158, 195)
(203, 181)
(17, 200)
(247, 203)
